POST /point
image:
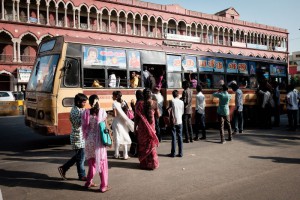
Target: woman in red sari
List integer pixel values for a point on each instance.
(144, 124)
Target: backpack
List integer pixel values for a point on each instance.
(168, 117)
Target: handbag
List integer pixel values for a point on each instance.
(130, 114)
(127, 111)
(105, 136)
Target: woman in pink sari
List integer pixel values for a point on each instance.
(146, 110)
(95, 151)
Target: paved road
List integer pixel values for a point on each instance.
(259, 164)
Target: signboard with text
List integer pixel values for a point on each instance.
(242, 67)
(276, 70)
(203, 65)
(189, 64)
(174, 63)
(100, 56)
(231, 66)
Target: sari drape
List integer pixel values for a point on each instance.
(147, 139)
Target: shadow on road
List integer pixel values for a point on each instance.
(35, 180)
(279, 159)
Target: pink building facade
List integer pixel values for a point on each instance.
(25, 23)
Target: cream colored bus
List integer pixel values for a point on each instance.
(67, 65)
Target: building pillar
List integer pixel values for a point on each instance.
(28, 13)
(19, 50)
(133, 26)
(141, 29)
(126, 31)
(88, 18)
(38, 12)
(18, 11)
(74, 18)
(109, 25)
(155, 29)
(118, 24)
(223, 37)
(201, 34)
(148, 29)
(47, 5)
(13, 11)
(98, 21)
(79, 27)
(2, 10)
(66, 17)
(14, 50)
(176, 29)
(56, 16)
(101, 22)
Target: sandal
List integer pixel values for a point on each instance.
(105, 189)
(91, 185)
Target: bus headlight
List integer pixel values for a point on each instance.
(41, 114)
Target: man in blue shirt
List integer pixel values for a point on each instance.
(223, 111)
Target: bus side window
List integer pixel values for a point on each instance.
(71, 73)
(117, 78)
(94, 77)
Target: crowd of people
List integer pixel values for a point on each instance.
(141, 130)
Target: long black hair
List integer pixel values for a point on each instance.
(118, 95)
(94, 102)
(147, 104)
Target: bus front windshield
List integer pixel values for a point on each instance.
(42, 76)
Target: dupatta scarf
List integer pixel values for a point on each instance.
(100, 149)
(145, 132)
(129, 123)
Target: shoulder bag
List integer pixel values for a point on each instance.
(105, 136)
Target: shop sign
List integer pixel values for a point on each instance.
(177, 43)
(23, 75)
(182, 37)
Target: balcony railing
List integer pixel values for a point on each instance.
(84, 26)
(27, 59)
(6, 58)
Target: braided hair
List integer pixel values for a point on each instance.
(94, 102)
(148, 105)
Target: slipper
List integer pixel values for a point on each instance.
(91, 185)
(106, 189)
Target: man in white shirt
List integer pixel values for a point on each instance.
(238, 119)
(177, 111)
(200, 114)
(112, 80)
(292, 107)
(160, 103)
